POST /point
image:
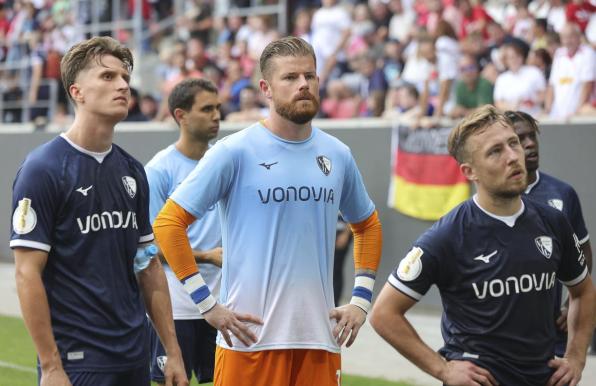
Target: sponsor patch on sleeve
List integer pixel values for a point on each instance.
(24, 218)
(411, 265)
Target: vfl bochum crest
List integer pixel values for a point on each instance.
(130, 184)
(324, 164)
(545, 245)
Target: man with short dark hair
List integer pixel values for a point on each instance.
(279, 185)
(494, 259)
(82, 239)
(194, 105)
(551, 191)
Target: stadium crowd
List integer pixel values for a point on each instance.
(389, 58)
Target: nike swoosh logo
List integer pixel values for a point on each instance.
(84, 191)
(486, 258)
(267, 166)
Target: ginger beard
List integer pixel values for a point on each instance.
(300, 110)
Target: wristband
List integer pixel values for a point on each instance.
(363, 291)
(199, 292)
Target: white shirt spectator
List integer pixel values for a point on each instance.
(520, 88)
(328, 25)
(567, 78)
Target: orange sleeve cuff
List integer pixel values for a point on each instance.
(368, 244)
(169, 228)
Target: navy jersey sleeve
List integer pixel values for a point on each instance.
(573, 269)
(35, 200)
(145, 230)
(576, 217)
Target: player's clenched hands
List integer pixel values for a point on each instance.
(227, 322)
(567, 372)
(349, 320)
(174, 371)
(465, 373)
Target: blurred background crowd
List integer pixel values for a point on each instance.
(398, 59)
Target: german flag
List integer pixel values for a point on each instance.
(426, 182)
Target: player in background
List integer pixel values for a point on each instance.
(81, 238)
(195, 106)
(549, 190)
(280, 185)
(495, 259)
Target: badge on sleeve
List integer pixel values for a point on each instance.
(411, 265)
(24, 218)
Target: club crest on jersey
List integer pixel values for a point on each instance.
(545, 245)
(411, 265)
(161, 362)
(130, 184)
(324, 164)
(24, 218)
(556, 203)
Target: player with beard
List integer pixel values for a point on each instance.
(494, 259)
(279, 185)
(551, 191)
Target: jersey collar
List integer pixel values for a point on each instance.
(531, 186)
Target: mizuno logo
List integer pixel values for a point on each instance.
(84, 191)
(486, 258)
(267, 166)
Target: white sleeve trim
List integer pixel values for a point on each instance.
(578, 279)
(146, 238)
(30, 244)
(401, 287)
(585, 239)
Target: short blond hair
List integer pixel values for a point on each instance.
(287, 46)
(81, 54)
(478, 120)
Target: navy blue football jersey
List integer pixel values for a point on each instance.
(497, 285)
(90, 217)
(560, 195)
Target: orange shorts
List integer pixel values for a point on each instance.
(292, 367)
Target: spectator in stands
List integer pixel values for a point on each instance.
(402, 103)
(392, 64)
(579, 12)
(471, 90)
(447, 56)
(148, 106)
(381, 17)
(402, 21)
(522, 25)
(474, 19)
(539, 33)
(134, 108)
(556, 15)
(541, 59)
(573, 74)
(250, 108)
(419, 66)
(330, 32)
(341, 101)
(521, 87)
(233, 83)
(302, 23)
(196, 55)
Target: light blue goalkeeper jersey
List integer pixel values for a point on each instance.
(166, 170)
(279, 202)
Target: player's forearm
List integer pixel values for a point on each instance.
(396, 330)
(368, 245)
(580, 320)
(36, 314)
(154, 289)
(170, 232)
